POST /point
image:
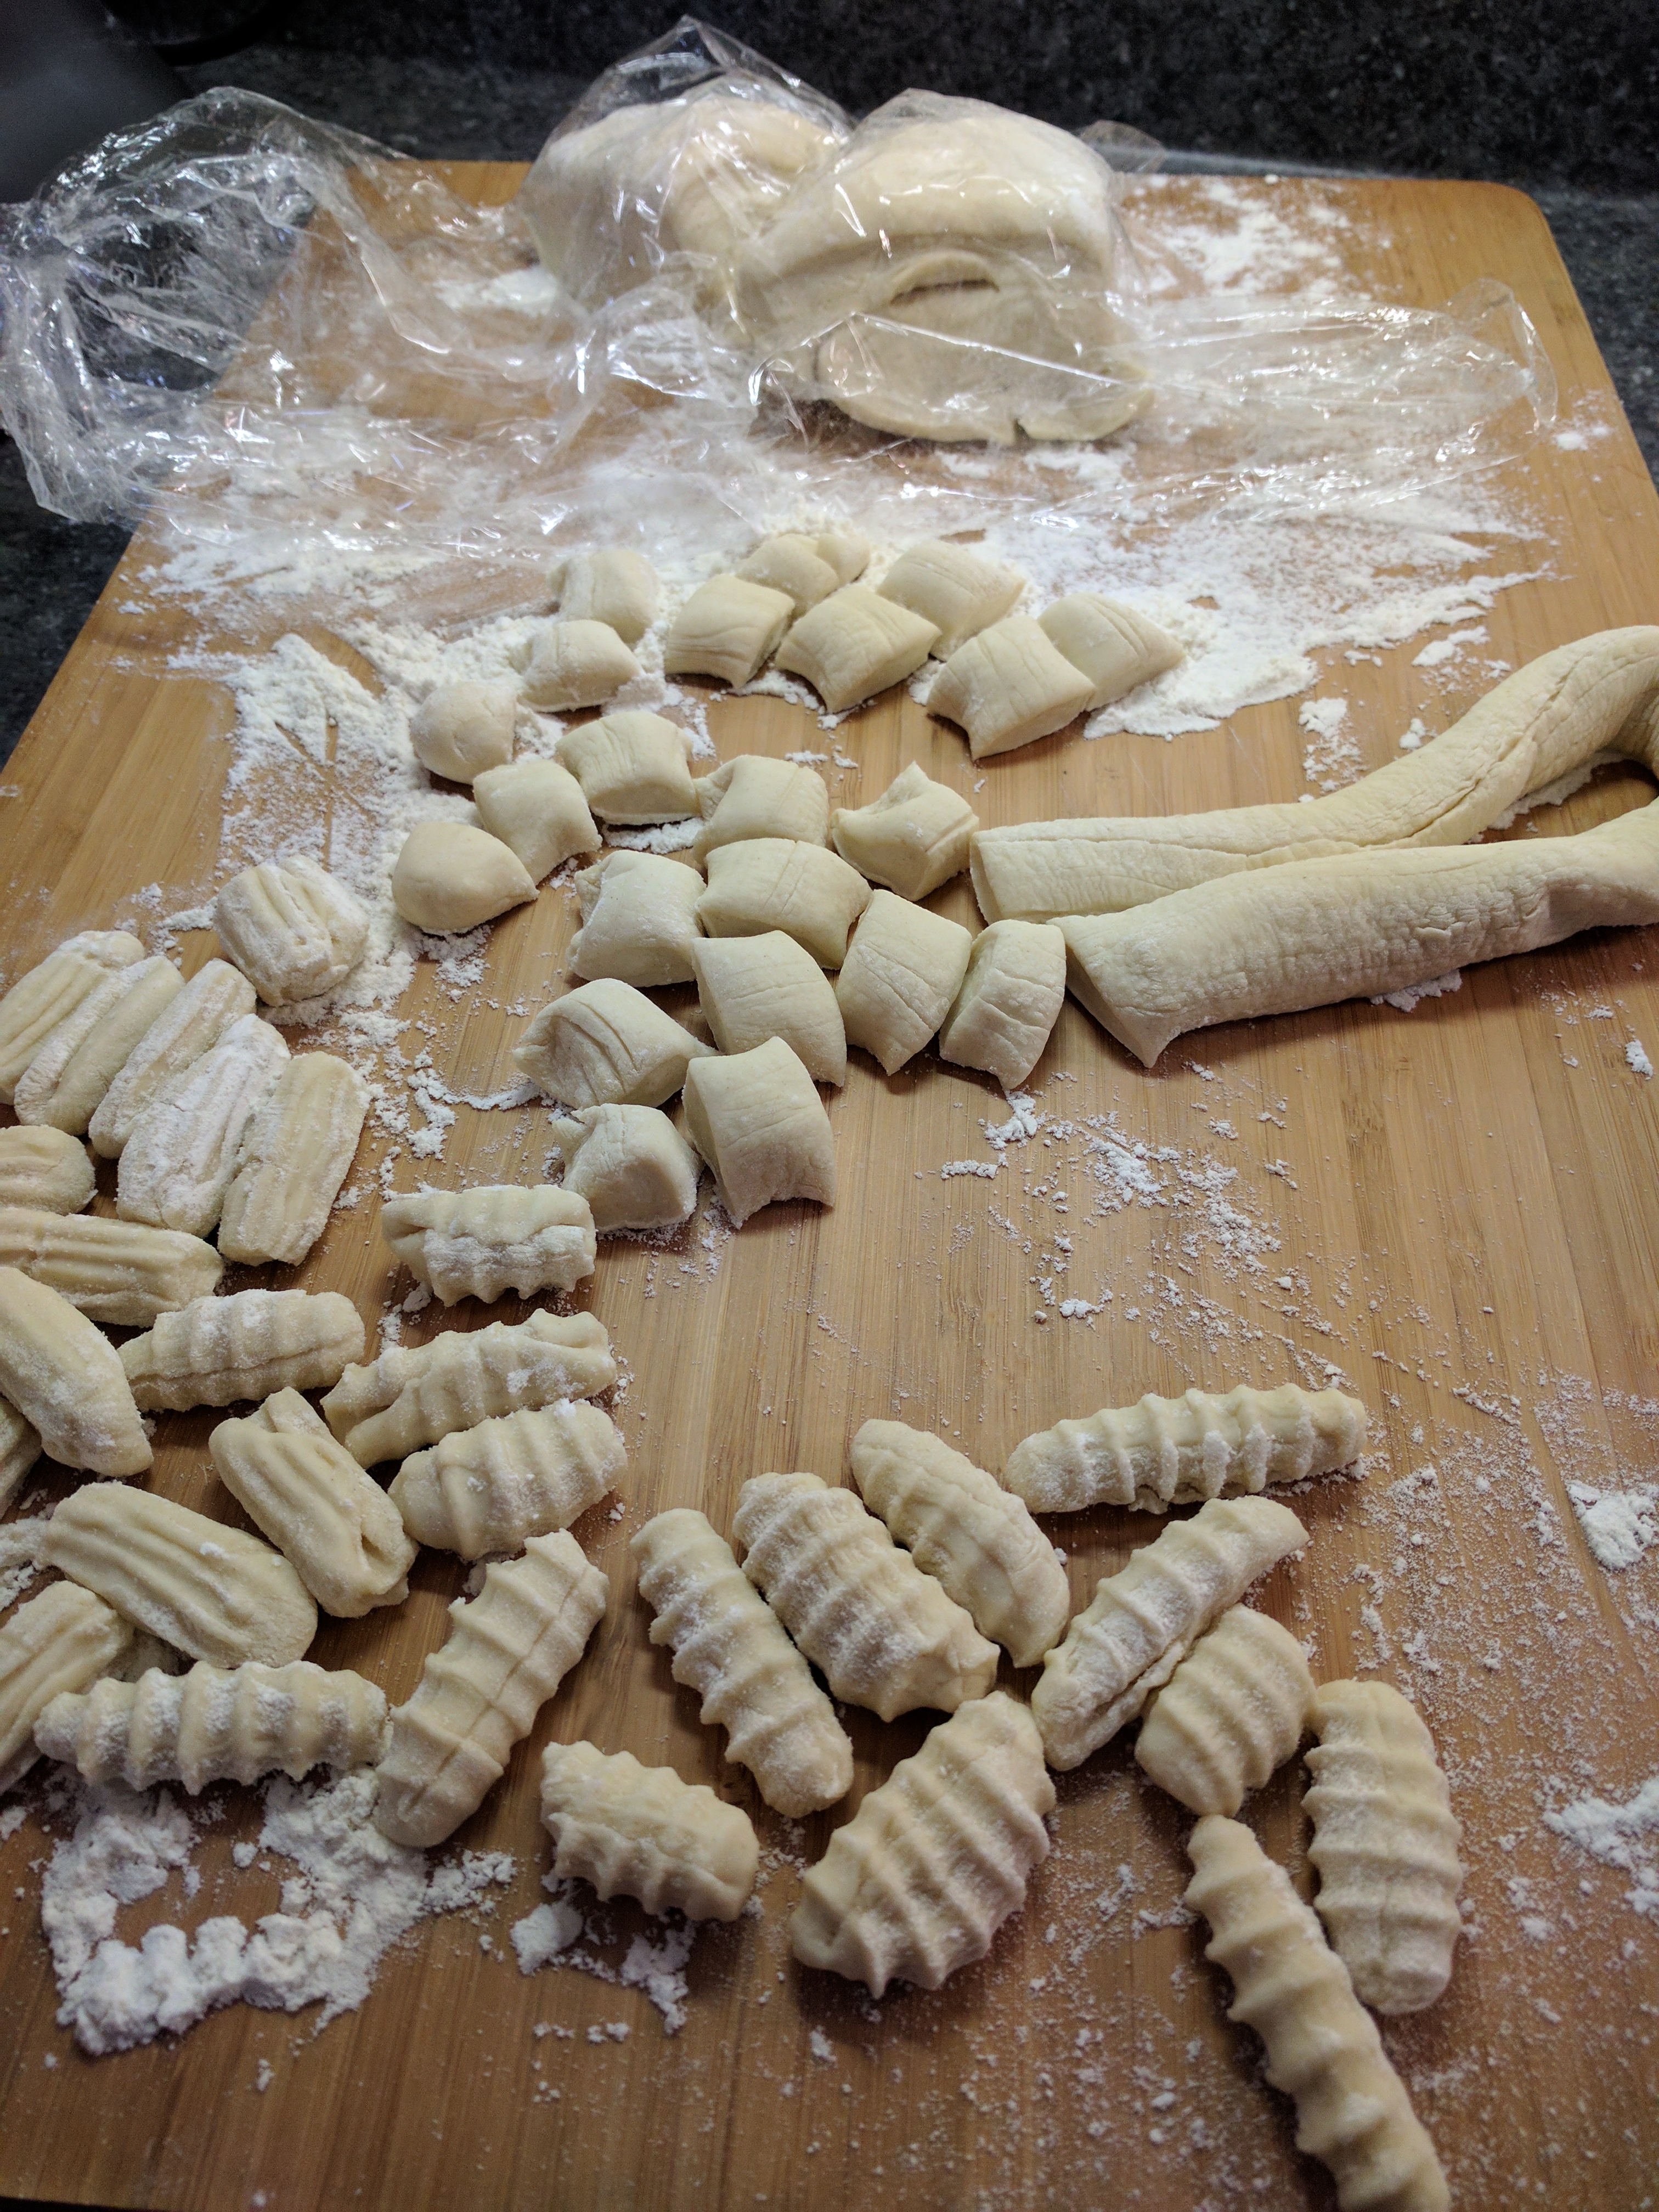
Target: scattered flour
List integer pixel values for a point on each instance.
(1636, 1058)
(1623, 1836)
(19, 1541)
(655, 1962)
(1330, 760)
(1619, 1525)
(1407, 998)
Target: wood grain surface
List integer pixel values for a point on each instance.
(1456, 1209)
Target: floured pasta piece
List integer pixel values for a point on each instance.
(792, 564)
(294, 930)
(754, 796)
(632, 766)
(1230, 1715)
(1010, 1000)
(1351, 2110)
(1385, 1844)
(480, 1243)
(606, 1044)
(958, 590)
(1116, 648)
(205, 1588)
(761, 1126)
(1168, 1451)
(338, 1530)
(19, 1447)
(507, 1650)
(918, 1882)
(491, 1488)
(639, 920)
(641, 1831)
(848, 552)
(777, 883)
(216, 1350)
(615, 586)
(883, 1634)
(536, 809)
(855, 644)
(56, 1644)
(183, 1149)
(450, 878)
(580, 663)
(118, 1273)
(67, 1381)
(728, 628)
(751, 989)
(900, 978)
(1143, 1621)
(295, 1156)
(189, 1026)
(960, 1526)
(47, 995)
(631, 1164)
(46, 1171)
(461, 729)
(65, 1082)
(729, 1647)
(1007, 686)
(416, 1396)
(912, 839)
(217, 1724)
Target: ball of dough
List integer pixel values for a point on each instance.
(458, 730)
(451, 877)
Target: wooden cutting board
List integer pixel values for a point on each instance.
(1456, 1207)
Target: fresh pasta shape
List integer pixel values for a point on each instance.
(294, 930)
(1116, 648)
(615, 586)
(450, 878)
(729, 628)
(536, 809)
(855, 643)
(960, 1526)
(191, 1025)
(912, 839)
(918, 1882)
(883, 1634)
(1323, 2050)
(792, 564)
(729, 1647)
(632, 766)
(1010, 1000)
(67, 1380)
(460, 730)
(846, 551)
(44, 1170)
(120, 1273)
(760, 1124)
(491, 1488)
(59, 1642)
(634, 1831)
(606, 1044)
(47, 995)
(65, 1082)
(507, 1650)
(296, 1154)
(182, 1151)
(900, 978)
(751, 989)
(1144, 1620)
(215, 1350)
(639, 920)
(631, 1164)
(19, 1447)
(776, 883)
(1385, 1844)
(1230, 1715)
(958, 590)
(480, 1243)
(753, 795)
(1008, 686)
(580, 663)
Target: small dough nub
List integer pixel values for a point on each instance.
(912, 839)
(216, 1350)
(639, 920)
(67, 1380)
(607, 1044)
(1007, 686)
(1116, 648)
(1230, 1715)
(119, 1273)
(49, 993)
(577, 664)
(56, 1644)
(461, 729)
(491, 1488)
(536, 809)
(633, 767)
(855, 644)
(66, 1082)
(216, 996)
(450, 878)
(184, 1149)
(615, 586)
(959, 592)
(45, 1168)
(482, 1243)
(900, 978)
(294, 930)
(1010, 1000)
(728, 628)
(752, 795)
(631, 1164)
(776, 883)
(751, 989)
(295, 1156)
(758, 1121)
(641, 1831)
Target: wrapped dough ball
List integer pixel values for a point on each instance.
(959, 592)
(1009, 1002)
(912, 839)
(606, 1044)
(761, 1126)
(754, 796)
(903, 970)
(776, 883)
(639, 920)
(461, 729)
(577, 664)
(293, 931)
(855, 644)
(755, 987)
(728, 627)
(632, 766)
(44, 1168)
(451, 877)
(1008, 686)
(792, 564)
(632, 1166)
(615, 587)
(1117, 649)
(536, 807)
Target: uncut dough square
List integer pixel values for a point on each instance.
(728, 627)
(632, 1166)
(760, 1124)
(633, 767)
(1008, 686)
(577, 664)
(1117, 649)
(1009, 1002)
(901, 975)
(606, 1044)
(537, 809)
(459, 730)
(639, 920)
(792, 564)
(615, 586)
(960, 593)
(776, 883)
(912, 839)
(855, 644)
(755, 987)
(754, 796)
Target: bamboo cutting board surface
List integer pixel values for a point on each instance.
(1454, 1209)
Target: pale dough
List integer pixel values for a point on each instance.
(44, 1168)
(754, 796)
(912, 839)
(297, 1152)
(758, 1121)
(577, 664)
(900, 977)
(1117, 649)
(953, 587)
(792, 564)
(1010, 1000)
(632, 766)
(67, 1380)
(490, 1488)
(482, 1243)
(634, 1831)
(631, 1164)
(606, 1044)
(121, 1274)
(294, 930)
(776, 883)
(639, 920)
(537, 808)
(855, 644)
(1230, 1715)
(190, 1026)
(461, 729)
(615, 586)
(53, 1645)
(68, 1079)
(751, 989)
(215, 1350)
(183, 1151)
(19, 1447)
(449, 877)
(1007, 686)
(729, 628)
(50, 992)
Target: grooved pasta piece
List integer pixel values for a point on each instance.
(216, 1350)
(408, 1398)
(50, 993)
(1323, 2050)
(44, 1168)
(1168, 1451)
(973, 1537)
(855, 644)
(635, 1831)
(507, 1650)
(900, 978)
(120, 1273)
(729, 1647)
(1232, 1713)
(64, 1085)
(67, 1380)
(489, 1489)
(294, 930)
(758, 1119)
(480, 1243)
(61, 1640)
(753, 795)
(339, 1531)
(182, 1150)
(19, 1447)
(1385, 1843)
(607, 1044)
(295, 1157)
(191, 1025)
(934, 1862)
(1143, 1621)
(884, 1634)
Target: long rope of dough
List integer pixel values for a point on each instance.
(1552, 719)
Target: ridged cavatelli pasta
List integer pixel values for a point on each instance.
(295, 1156)
(64, 1085)
(295, 929)
(482, 1243)
(1230, 1715)
(491, 1488)
(19, 1447)
(49, 993)
(122, 1274)
(61, 1640)
(641, 1831)
(216, 1350)
(188, 1027)
(66, 1381)
(44, 1170)
(182, 1150)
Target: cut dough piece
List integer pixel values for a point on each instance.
(216, 1350)
(792, 564)
(491, 1488)
(755, 987)
(960, 1526)
(54, 1645)
(450, 878)
(912, 839)
(460, 729)
(189, 1027)
(537, 808)
(632, 766)
(776, 883)
(65, 1082)
(728, 628)
(639, 920)
(1007, 686)
(729, 1647)
(635, 1831)
(631, 1164)
(577, 664)
(1230, 1715)
(754, 796)
(958, 590)
(855, 644)
(1117, 649)
(182, 1151)
(900, 978)
(606, 1045)
(198, 1585)
(339, 1531)
(19, 1447)
(934, 1862)
(1010, 1000)
(1144, 1620)
(49, 993)
(616, 586)
(294, 930)
(1385, 1844)
(45, 1170)
(883, 1634)
(121, 1274)
(846, 551)
(295, 1157)
(1168, 1451)
(67, 1380)
(507, 1652)
(1323, 2050)
(480, 1243)
(761, 1126)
